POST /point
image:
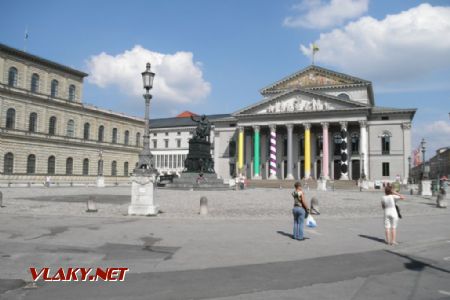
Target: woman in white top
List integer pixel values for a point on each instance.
(390, 214)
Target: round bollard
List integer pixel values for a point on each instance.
(441, 201)
(91, 207)
(315, 206)
(203, 206)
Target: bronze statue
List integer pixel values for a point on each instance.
(203, 128)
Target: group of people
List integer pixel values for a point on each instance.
(388, 204)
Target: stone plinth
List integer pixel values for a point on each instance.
(142, 196)
(425, 188)
(100, 181)
(322, 184)
(189, 180)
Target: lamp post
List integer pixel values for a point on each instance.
(145, 164)
(409, 169)
(100, 179)
(422, 146)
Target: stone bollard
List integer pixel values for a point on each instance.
(441, 201)
(203, 206)
(315, 206)
(1, 199)
(91, 207)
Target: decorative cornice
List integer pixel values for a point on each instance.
(406, 126)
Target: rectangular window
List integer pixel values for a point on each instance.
(166, 161)
(178, 133)
(178, 143)
(167, 134)
(154, 134)
(385, 145)
(385, 169)
(170, 161)
(166, 143)
(155, 144)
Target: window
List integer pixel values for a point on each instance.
(8, 163)
(178, 133)
(54, 88)
(154, 134)
(70, 128)
(69, 166)
(385, 169)
(319, 145)
(85, 166)
(51, 165)
(52, 126)
(301, 145)
(355, 143)
(170, 161)
(114, 135)
(12, 76)
(386, 143)
(31, 164)
(138, 139)
(72, 92)
(167, 134)
(179, 161)
(166, 143)
(384, 118)
(337, 144)
(32, 122)
(86, 130)
(178, 143)
(114, 168)
(126, 137)
(155, 144)
(344, 96)
(35, 83)
(101, 131)
(232, 148)
(125, 169)
(10, 118)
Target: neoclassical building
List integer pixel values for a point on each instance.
(311, 124)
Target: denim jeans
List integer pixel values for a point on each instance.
(299, 220)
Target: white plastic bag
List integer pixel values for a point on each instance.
(310, 222)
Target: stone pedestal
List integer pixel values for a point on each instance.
(142, 196)
(100, 181)
(322, 184)
(441, 200)
(425, 188)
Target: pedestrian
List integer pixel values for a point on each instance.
(299, 211)
(391, 216)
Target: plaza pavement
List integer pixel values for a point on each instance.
(241, 250)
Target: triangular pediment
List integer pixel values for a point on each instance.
(312, 76)
(299, 101)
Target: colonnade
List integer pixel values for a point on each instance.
(272, 159)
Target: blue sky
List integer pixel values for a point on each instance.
(214, 56)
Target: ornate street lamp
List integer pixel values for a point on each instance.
(145, 164)
(422, 145)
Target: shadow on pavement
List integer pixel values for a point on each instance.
(285, 234)
(373, 238)
(417, 265)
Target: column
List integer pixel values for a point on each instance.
(307, 150)
(289, 175)
(364, 148)
(344, 152)
(406, 150)
(273, 152)
(240, 164)
(256, 156)
(325, 159)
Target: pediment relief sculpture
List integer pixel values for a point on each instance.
(298, 104)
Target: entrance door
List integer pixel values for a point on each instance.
(337, 169)
(318, 169)
(355, 169)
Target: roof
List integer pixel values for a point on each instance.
(37, 59)
(186, 114)
(392, 110)
(181, 122)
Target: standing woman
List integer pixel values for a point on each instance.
(390, 214)
(299, 211)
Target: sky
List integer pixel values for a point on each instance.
(214, 56)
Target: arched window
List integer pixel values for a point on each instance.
(72, 92)
(126, 137)
(54, 88)
(85, 166)
(114, 168)
(12, 76)
(319, 145)
(52, 126)
(8, 163)
(355, 143)
(114, 135)
(87, 127)
(10, 118)
(31, 164)
(51, 165)
(70, 128)
(101, 131)
(125, 169)
(33, 122)
(138, 139)
(69, 166)
(386, 142)
(35, 83)
(337, 143)
(344, 96)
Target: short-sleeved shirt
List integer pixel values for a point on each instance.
(389, 205)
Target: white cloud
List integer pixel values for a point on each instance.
(178, 78)
(317, 14)
(399, 47)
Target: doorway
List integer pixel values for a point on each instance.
(355, 169)
(337, 169)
